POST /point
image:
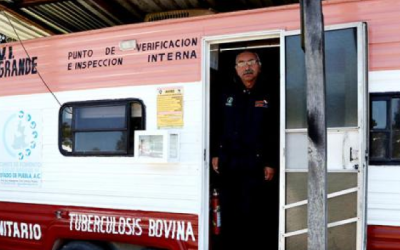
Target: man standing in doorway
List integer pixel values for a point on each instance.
(246, 161)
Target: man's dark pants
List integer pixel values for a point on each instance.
(248, 206)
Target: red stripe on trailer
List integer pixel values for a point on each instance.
(38, 227)
(383, 238)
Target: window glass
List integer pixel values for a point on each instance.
(151, 146)
(396, 128)
(101, 127)
(295, 84)
(385, 129)
(396, 145)
(396, 113)
(379, 142)
(111, 117)
(341, 80)
(136, 116)
(379, 115)
(136, 110)
(66, 129)
(100, 142)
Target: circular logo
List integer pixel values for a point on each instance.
(20, 136)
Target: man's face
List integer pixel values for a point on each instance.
(248, 68)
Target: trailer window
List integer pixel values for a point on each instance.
(385, 129)
(100, 128)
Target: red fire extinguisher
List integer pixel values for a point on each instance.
(216, 213)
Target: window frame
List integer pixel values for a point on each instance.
(388, 97)
(129, 152)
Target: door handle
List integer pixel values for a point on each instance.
(353, 154)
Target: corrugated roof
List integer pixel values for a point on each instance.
(15, 27)
(67, 16)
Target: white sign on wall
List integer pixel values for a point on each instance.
(20, 148)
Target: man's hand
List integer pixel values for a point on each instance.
(214, 163)
(269, 173)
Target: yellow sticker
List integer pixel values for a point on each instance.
(170, 107)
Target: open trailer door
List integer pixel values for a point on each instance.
(218, 60)
(346, 79)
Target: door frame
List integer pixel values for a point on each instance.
(362, 54)
(207, 41)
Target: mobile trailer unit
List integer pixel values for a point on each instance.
(123, 160)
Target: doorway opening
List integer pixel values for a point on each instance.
(222, 77)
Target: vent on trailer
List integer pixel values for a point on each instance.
(173, 14)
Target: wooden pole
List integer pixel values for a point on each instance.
(313, 37)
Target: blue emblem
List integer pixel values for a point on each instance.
(20, 136)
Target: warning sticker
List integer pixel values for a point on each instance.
(170, 107)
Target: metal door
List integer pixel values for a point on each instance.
(346, 70)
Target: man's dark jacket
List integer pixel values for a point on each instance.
(247, 130)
